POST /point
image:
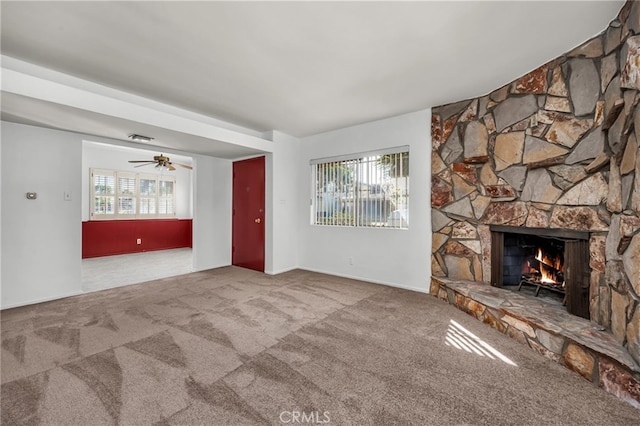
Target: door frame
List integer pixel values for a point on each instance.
(259, 265)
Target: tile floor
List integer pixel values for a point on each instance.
(101, 273)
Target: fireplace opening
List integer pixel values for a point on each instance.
(544, 263)
(534, 263)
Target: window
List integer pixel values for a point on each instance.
(104, 190)
(148, 195)
(166, 197)
(364, 190)
(126, 195)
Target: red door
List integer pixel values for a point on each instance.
(248, 214)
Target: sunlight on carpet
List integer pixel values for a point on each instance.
(461, 338)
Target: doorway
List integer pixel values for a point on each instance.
(248, 231)
(139, 248)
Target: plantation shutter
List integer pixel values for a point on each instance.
(103, 188)
(166, 196)
(148, 195)
(127, 194)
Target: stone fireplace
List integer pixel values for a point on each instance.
(554, 153)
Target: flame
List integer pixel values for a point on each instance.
(546, 262)
(547, 276)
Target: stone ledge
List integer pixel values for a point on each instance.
(574, 342)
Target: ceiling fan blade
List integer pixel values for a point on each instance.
(183, 165)
(160, 161)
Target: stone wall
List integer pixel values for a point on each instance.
(557, 148)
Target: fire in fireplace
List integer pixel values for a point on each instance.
(544, 269)
(554, 261)
(545, 266)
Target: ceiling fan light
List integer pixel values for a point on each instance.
(140, 138)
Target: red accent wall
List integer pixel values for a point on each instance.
(109, 237)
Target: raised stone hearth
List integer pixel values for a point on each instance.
(556, 149)
(574, 342)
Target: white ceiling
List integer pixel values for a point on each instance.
(297, 67)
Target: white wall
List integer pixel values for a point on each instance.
(211, 212)
(116, 157)
(282, 204)
(42, 238)
(389, 256)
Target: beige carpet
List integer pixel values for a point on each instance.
(232, 347)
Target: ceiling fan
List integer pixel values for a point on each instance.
(161, 161)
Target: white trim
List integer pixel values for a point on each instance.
(280, 271)
(207, 268)
(42, 300)
(369, 280)
(358, 155)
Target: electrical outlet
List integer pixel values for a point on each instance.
(139, 241)
(67, 195)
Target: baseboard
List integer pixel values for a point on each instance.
(208, 267)
(281, 271)
(46, 299)
(352, 277)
